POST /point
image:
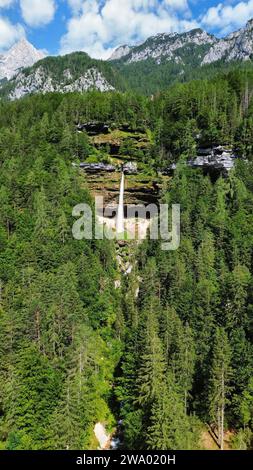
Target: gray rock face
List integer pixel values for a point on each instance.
(167, 46)
(236, 46)
(120, 52)
(94, 168)
(39, 81)
(94, 128)
(130, 168)
(219, 159)
(21, 55)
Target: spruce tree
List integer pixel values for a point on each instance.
(219, 382)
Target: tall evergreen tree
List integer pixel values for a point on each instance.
(219, 384)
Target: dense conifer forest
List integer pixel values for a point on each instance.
(74, 350)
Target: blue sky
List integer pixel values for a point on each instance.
(98, 26)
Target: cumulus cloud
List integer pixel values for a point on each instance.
(98, 26)
(75, 5)
(9, 33)
(177, 4)
(226, 18)
(6, 3)
(37, 12)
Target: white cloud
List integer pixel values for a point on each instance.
(98, 26)
(177, 4)
(38, 12)
(6, 3)
(227, 18)
(9, 33)
(75, 5)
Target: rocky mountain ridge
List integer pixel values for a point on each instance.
(75, 72)
(120, 52)
(236, 46)
(173, 46)
(145, 68)
(39, 82)
(164, 46)
(21, 55)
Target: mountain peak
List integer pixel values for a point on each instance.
(120, 52)
(165, 46)
(23, 42)
(22, 54)
(249, 24)
(195, 45)
(237, 46)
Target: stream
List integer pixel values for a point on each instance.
(106, 441)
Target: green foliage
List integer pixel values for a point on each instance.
(58, 350)
(70, 344)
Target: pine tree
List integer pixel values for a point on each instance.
(152, 365)
(219, 383)
(169, 426)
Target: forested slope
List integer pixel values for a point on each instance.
(147, 77)
(189, 335)
(58, 348)
(177, 356)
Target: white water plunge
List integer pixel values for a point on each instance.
(120, 216)
(103, 438)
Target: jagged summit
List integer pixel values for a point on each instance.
(237, 46)
(249, 24)
(22, 54)
(197, 45)
(120, 52)
(166, 46)
(148, 67)
(63, 74)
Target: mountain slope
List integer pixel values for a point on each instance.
(167, 47)
(167, 58)
(120, 52)
(236, 46)
(73, 72)
(21, 55)
(146, 68)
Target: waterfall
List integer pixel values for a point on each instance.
(103, 438)
(120, 216)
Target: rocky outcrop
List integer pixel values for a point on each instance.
(130, 168)
(139, 189)
(195, 46)
(236, 46)
(93, 128)
(39, 81)
(120, 52)
(218, 159)
(21, 55)
(95, 168)
(167, 46)
(114, 141)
